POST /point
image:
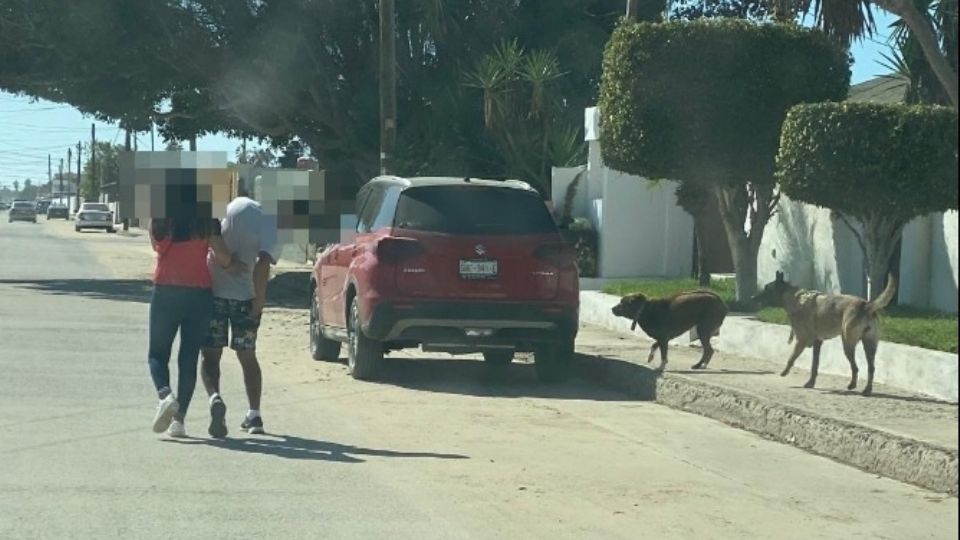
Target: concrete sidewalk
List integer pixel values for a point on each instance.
(904, 436)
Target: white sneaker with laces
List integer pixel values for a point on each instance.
(165, 410)
(177, 429)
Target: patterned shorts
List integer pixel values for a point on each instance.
(243, 325)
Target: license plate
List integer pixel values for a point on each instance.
(478, 269)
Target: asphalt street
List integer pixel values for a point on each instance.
(441, 448)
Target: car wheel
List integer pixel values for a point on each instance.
(111, 230)
(78, 229)
(321, 348)
(498, 358)
(553, 361)
(365, 354)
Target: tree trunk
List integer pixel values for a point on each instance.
(703, 269)
(926, 36)
(737, 205)
(881, 236)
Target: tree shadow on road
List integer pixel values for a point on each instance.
(124, 290)
(473, 377)
(291, 447)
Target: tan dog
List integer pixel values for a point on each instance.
(816, 317)
(666, 318)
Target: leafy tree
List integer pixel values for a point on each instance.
(300, 69)
(907, 57)
(16, 188)
(29, 191)
(262, 157)
(104, 170)
(848, 20)
(875, 165)
(704, 102)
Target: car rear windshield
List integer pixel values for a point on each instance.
(22, 205)
(96, 207)
(473, 210)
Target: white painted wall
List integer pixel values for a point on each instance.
(642, 231)
(562, 177)
(819, 252)
(813, 249)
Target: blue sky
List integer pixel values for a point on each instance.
(31, 131)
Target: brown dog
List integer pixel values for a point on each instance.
(816, 317)
(666, 318)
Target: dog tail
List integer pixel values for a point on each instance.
(885, 297)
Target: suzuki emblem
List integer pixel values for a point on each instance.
(480, 249)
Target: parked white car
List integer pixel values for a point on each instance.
(94, 216)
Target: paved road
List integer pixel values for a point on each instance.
(442, 449)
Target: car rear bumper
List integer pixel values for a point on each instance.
(472, 325)
(22, 217)
(88, 224)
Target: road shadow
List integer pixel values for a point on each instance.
(291, 447)
(289, 290)
(474, 377)
(124, 290)
(881, 395)
(636, 381)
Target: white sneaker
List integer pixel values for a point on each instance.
(165, 410)
(177, 430)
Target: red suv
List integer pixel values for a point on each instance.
(450, 265)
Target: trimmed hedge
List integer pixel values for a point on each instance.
(706, 100)
(871, 160)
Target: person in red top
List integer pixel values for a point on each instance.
(182, 301)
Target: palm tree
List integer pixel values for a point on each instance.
(849, 20)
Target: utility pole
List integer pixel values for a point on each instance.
(633, 10)
(388, 84)
(152, 130)
(49, 171)
(69, 164)
(126, 146)
(61, 175)
(94, 179)
(77, 195)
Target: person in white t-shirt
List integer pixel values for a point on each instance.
(238, 301)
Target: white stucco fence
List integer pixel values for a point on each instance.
(932, 373)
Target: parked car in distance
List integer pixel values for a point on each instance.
(58, 210)
(4, 205)
(94, 216)
(42, 206)
(22, 211)
(450, 265)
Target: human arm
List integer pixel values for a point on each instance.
(261, 275)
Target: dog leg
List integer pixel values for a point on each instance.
(653, 350)
(798, 348)
(663, 357)
(850, 351)
(815, 366)
(870, 343)
(704, 334)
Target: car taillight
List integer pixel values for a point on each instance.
(393, 250)
(559, 255)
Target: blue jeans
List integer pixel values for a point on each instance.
(187, 309)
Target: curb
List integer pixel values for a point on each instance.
(915, 462)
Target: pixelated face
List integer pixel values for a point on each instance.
(308, 209)
(630, 306)
(772, 293)
(156, 185)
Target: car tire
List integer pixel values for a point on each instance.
(111, 230)
(498, 358)
(365, 355)
(554, 361)
(321, 348)
(78, 229)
